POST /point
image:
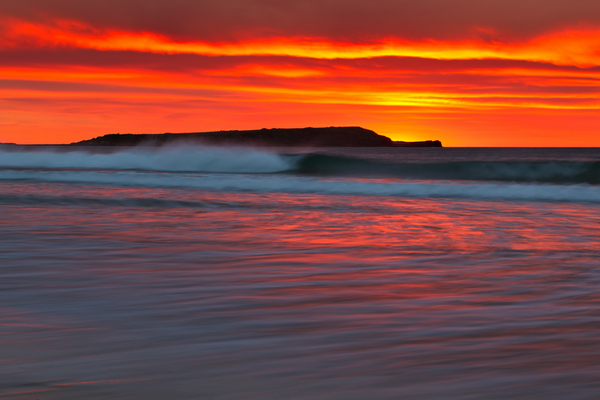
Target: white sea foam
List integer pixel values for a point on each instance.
(193, 158)
(312, 185)
(251, 170)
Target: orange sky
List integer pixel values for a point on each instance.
(469, 76)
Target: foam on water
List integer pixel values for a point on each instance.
(313, 185)
(176, 158)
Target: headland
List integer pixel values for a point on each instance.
(350, 136)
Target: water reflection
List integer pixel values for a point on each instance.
(248, 296)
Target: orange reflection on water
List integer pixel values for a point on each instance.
(238, 285)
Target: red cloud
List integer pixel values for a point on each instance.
(467, 72)
(337, 20)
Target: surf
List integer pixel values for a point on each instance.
(309, 163)
(168, 158)
(281, 183)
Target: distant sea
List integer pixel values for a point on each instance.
(334, 273)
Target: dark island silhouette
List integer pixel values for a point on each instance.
(351, 136)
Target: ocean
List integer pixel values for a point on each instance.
(337, 273)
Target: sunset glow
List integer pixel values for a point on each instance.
(70, 79)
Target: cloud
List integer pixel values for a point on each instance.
(338, 20)
(569, 47)
(404, 68)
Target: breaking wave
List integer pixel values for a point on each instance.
(261, 171)
(561, 172)
(173, 159)
(255, 161)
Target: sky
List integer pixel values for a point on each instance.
(466, 72)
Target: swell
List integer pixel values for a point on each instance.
(102, 202)
(294, 184)
(543, 172)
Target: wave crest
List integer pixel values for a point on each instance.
(172, 159)
(562, 172)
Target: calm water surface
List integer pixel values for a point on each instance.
(208, 274)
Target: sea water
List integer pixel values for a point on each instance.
(211, 273)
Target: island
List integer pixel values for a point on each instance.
(351, 136)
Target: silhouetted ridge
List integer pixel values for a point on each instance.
(352, 136)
